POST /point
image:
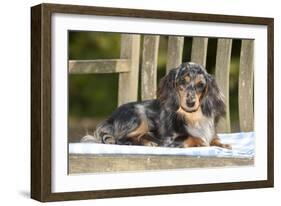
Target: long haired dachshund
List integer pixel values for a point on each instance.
(185, 113)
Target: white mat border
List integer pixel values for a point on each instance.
(62, 182)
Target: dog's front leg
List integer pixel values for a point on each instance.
(217, 142)
(193, 142)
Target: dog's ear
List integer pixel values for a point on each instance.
(166, 93)
(213, 99)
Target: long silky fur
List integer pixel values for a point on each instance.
(213, 101)
(166, 93)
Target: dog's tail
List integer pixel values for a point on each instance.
(102, 134)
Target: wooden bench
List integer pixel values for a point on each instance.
(128, 69)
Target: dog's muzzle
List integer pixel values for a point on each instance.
(191, 99)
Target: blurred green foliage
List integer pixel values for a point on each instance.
(95, 95)
(93, 45)
(92, 95)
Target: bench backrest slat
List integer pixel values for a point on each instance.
(149, 67)
(223, 58)
(246, 76)
(174, 53)
(128, 81)
(199, 50)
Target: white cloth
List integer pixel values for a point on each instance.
(243, 145)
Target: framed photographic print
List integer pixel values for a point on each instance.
(132, 102)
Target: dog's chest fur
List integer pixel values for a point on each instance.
(198, 125)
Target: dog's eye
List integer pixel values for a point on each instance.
(200, 86)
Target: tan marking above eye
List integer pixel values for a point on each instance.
(187, 79)
(199, 79)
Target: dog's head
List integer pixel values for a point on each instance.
(189, 87)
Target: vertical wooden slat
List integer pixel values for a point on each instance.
(199, 50)
(149, 67)
(174, 53)
(222, 77)
(128, 81)
(246, 73)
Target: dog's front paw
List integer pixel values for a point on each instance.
(226, 146)
(217, 142)
(194, 142)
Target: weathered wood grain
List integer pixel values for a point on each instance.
(246, 74)
(149, 67)
(174, 52)
(222, 77)
(99, 66)
(199, 50)
(128, 82)
(118, 163)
